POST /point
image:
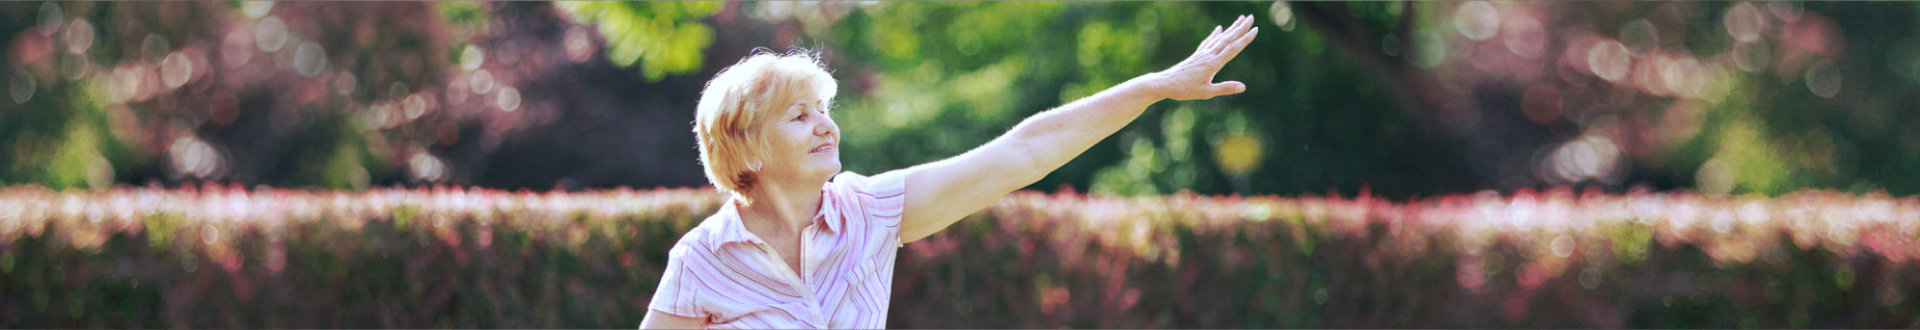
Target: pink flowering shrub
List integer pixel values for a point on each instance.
(1553, 259)
(230, 258)
(225, 257)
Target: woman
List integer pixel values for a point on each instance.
(792, 249)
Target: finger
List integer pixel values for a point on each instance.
(1210, 40)
(1233, 33)
(1237, 45)
(1216, 41)
(1228, 88)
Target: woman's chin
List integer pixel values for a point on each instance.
(831, 168)
(824, 168)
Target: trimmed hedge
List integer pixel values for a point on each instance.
(225, 257)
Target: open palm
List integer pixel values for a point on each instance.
(1192, 78)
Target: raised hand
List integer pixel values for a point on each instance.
(1192, 79)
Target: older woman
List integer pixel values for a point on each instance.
(792, 249)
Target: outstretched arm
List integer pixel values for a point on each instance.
(944, 191)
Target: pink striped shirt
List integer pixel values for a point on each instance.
(721, 273)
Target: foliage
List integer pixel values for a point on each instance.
(329, 95)
(667, 35)
(1303, 131)
(217, 256)
(1408, 99)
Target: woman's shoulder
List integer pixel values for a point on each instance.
(887, 185)
(872, 201)
(702, 237)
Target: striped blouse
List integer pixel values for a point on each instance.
(721, 273)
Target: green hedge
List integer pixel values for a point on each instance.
(225, 257)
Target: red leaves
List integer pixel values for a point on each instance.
(453, 256)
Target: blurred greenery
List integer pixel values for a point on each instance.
(989, 76)
(1321, 117)
(1399, 99)
(667, 35)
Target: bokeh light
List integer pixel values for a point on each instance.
(309, 59)
(1282, 15)
(1476, 20)
(508, 99)
(1237, 154)
(1562, 246)
(51, 18)
(481, 82)
(458, 90)
(256, 9)
(414, 106)
(426, 168)
(1744, 22)
(79, 36)
(1823, 78)
(21, 87)
(176, 70)
(1685, 77)
(472, 57)
(344, 83)
(1523, 35)
(99, 173)
(121, 84)
(580, 46)
(1715, 177)
(270, 34)
(1786, 11)
(237, 48)
(1590, 157)
(193, 157)
(1610, 60)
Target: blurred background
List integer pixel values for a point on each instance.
(1402, 99)
(1774, 124)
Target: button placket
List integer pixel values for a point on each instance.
(807, 296)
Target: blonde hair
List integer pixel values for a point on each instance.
(734, 105)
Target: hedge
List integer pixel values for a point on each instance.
(228, 257)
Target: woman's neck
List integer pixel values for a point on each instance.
(781, 209)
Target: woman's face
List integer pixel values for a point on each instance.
(803, 144)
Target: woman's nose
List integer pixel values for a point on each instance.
(824, 128)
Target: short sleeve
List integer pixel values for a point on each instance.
(678, 290)
(882, 198)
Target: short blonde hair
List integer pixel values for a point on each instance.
(736, 103)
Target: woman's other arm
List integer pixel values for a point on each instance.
(942, 192)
